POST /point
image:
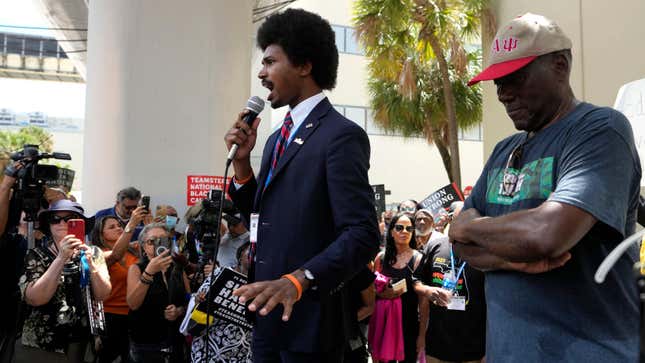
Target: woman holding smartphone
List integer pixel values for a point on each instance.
(51, 284)
(157, 296)
(111, 237)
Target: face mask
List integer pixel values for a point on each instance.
(171, 222)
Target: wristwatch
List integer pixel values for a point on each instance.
(309, 277)
(127, 229)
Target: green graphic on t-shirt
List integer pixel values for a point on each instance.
(535, 181)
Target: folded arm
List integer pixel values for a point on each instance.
(533, 240)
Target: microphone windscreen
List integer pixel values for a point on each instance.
(255, 104)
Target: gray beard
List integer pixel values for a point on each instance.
(423, 234)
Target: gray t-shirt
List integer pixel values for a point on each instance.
(588, 160)
(228, 248)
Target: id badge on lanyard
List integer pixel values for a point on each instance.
(253, 235)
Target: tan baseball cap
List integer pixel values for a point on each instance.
(519, 42)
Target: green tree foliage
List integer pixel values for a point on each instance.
(419, 66)
(11, 141)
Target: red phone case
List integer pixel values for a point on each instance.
(77, 228)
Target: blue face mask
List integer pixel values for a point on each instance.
(171, 222)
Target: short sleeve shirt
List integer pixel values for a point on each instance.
(453, 335)
(588, 160)
(64, 319)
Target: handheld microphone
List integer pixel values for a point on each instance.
(255, 105)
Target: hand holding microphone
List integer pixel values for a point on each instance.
(240, 139)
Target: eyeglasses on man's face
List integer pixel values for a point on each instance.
(130, 207)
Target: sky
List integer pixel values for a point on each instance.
(57, 99)
(23, 13)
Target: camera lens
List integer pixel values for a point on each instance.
(160, 250)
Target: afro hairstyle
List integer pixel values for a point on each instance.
(304, 37)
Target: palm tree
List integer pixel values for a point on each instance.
(418, 68)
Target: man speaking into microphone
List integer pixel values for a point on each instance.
(311, 199)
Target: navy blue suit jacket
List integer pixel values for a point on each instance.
(317, 213)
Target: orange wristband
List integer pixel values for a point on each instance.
(295, 283)
(245, 180)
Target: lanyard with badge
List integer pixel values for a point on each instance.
(450, 281)
(253, 236)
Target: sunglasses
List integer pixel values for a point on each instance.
(408, 209)
(510, 176)
(55, 219)
(400, 228)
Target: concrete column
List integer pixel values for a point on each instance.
(165, 80)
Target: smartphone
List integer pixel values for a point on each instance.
(400, 286)
(145, 202)
(162, 245)
(77, 228)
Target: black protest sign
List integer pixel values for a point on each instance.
(439, 201)
(224, 305)
(379, 199)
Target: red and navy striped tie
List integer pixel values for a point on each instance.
(281, 144)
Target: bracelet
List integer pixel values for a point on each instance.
(295, 283)
(145, 281)
(147, 273)
(245, 180)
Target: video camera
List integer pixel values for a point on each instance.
(206, 228)
(32, 178)
(207, 223)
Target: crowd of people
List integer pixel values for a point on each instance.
(138, 288)
(504, 276)
(145, 292)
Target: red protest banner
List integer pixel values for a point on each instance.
(197, 187)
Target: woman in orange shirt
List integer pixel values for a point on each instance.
(114, 240)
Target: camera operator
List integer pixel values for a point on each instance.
(51, 285)
(156, 295)
(5, 194)
(10, 267)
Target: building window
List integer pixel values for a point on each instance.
(346, 40)
(364, 117)
(340, 37)
(356, 114)
(472, 134)
(370, 126)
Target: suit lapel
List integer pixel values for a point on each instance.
(305, 130)
(267, 154)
